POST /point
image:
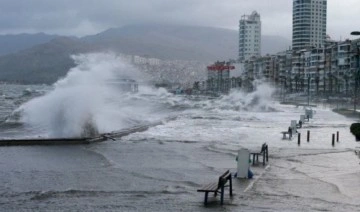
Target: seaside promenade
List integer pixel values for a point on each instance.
(161, 168)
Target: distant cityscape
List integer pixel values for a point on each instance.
(314, 65)
(171, 74)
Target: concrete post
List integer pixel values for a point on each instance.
(308, 135)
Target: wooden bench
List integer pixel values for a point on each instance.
(263, 152)
(216, 186)
(299, 125)
(286, 133)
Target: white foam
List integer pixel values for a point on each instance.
(83, 98)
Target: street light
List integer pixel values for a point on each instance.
(357, 74)
(308, 90)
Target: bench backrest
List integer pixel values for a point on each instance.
(263, 148)
(224, 178)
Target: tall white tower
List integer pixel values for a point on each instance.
(309, 23)
(249, 36)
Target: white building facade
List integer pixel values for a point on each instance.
(249, 36)
(309, 24)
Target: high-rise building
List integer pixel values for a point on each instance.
(309, 23)
(249, 36)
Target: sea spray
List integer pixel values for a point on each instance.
(83, 104)
(260, 99)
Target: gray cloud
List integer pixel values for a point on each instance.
(83, 17)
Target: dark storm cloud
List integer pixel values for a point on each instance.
(82, 17)
(68, 14)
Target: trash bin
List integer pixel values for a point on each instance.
(243, 163)
(309, 113)
(302, 118)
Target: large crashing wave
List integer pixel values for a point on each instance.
(82, 103)
(258, 100)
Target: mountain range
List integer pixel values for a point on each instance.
(42, 58)
(14, 43)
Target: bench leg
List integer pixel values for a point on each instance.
(253, 159)
(230, 186)
(222, 195)
(206, 197)
(264, 158)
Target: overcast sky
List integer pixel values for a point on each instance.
(84, 17)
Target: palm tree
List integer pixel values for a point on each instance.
(317, 80)
(346, 78)
(296, 82)
(239, 82)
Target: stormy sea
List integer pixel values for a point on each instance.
(195, 140)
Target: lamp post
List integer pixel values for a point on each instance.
(308, 84)
(356, 82)
(357, 73)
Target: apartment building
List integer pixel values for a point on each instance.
(309, 24)
(249, 36)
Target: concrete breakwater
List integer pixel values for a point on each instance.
(43, 141)
(77, 141)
